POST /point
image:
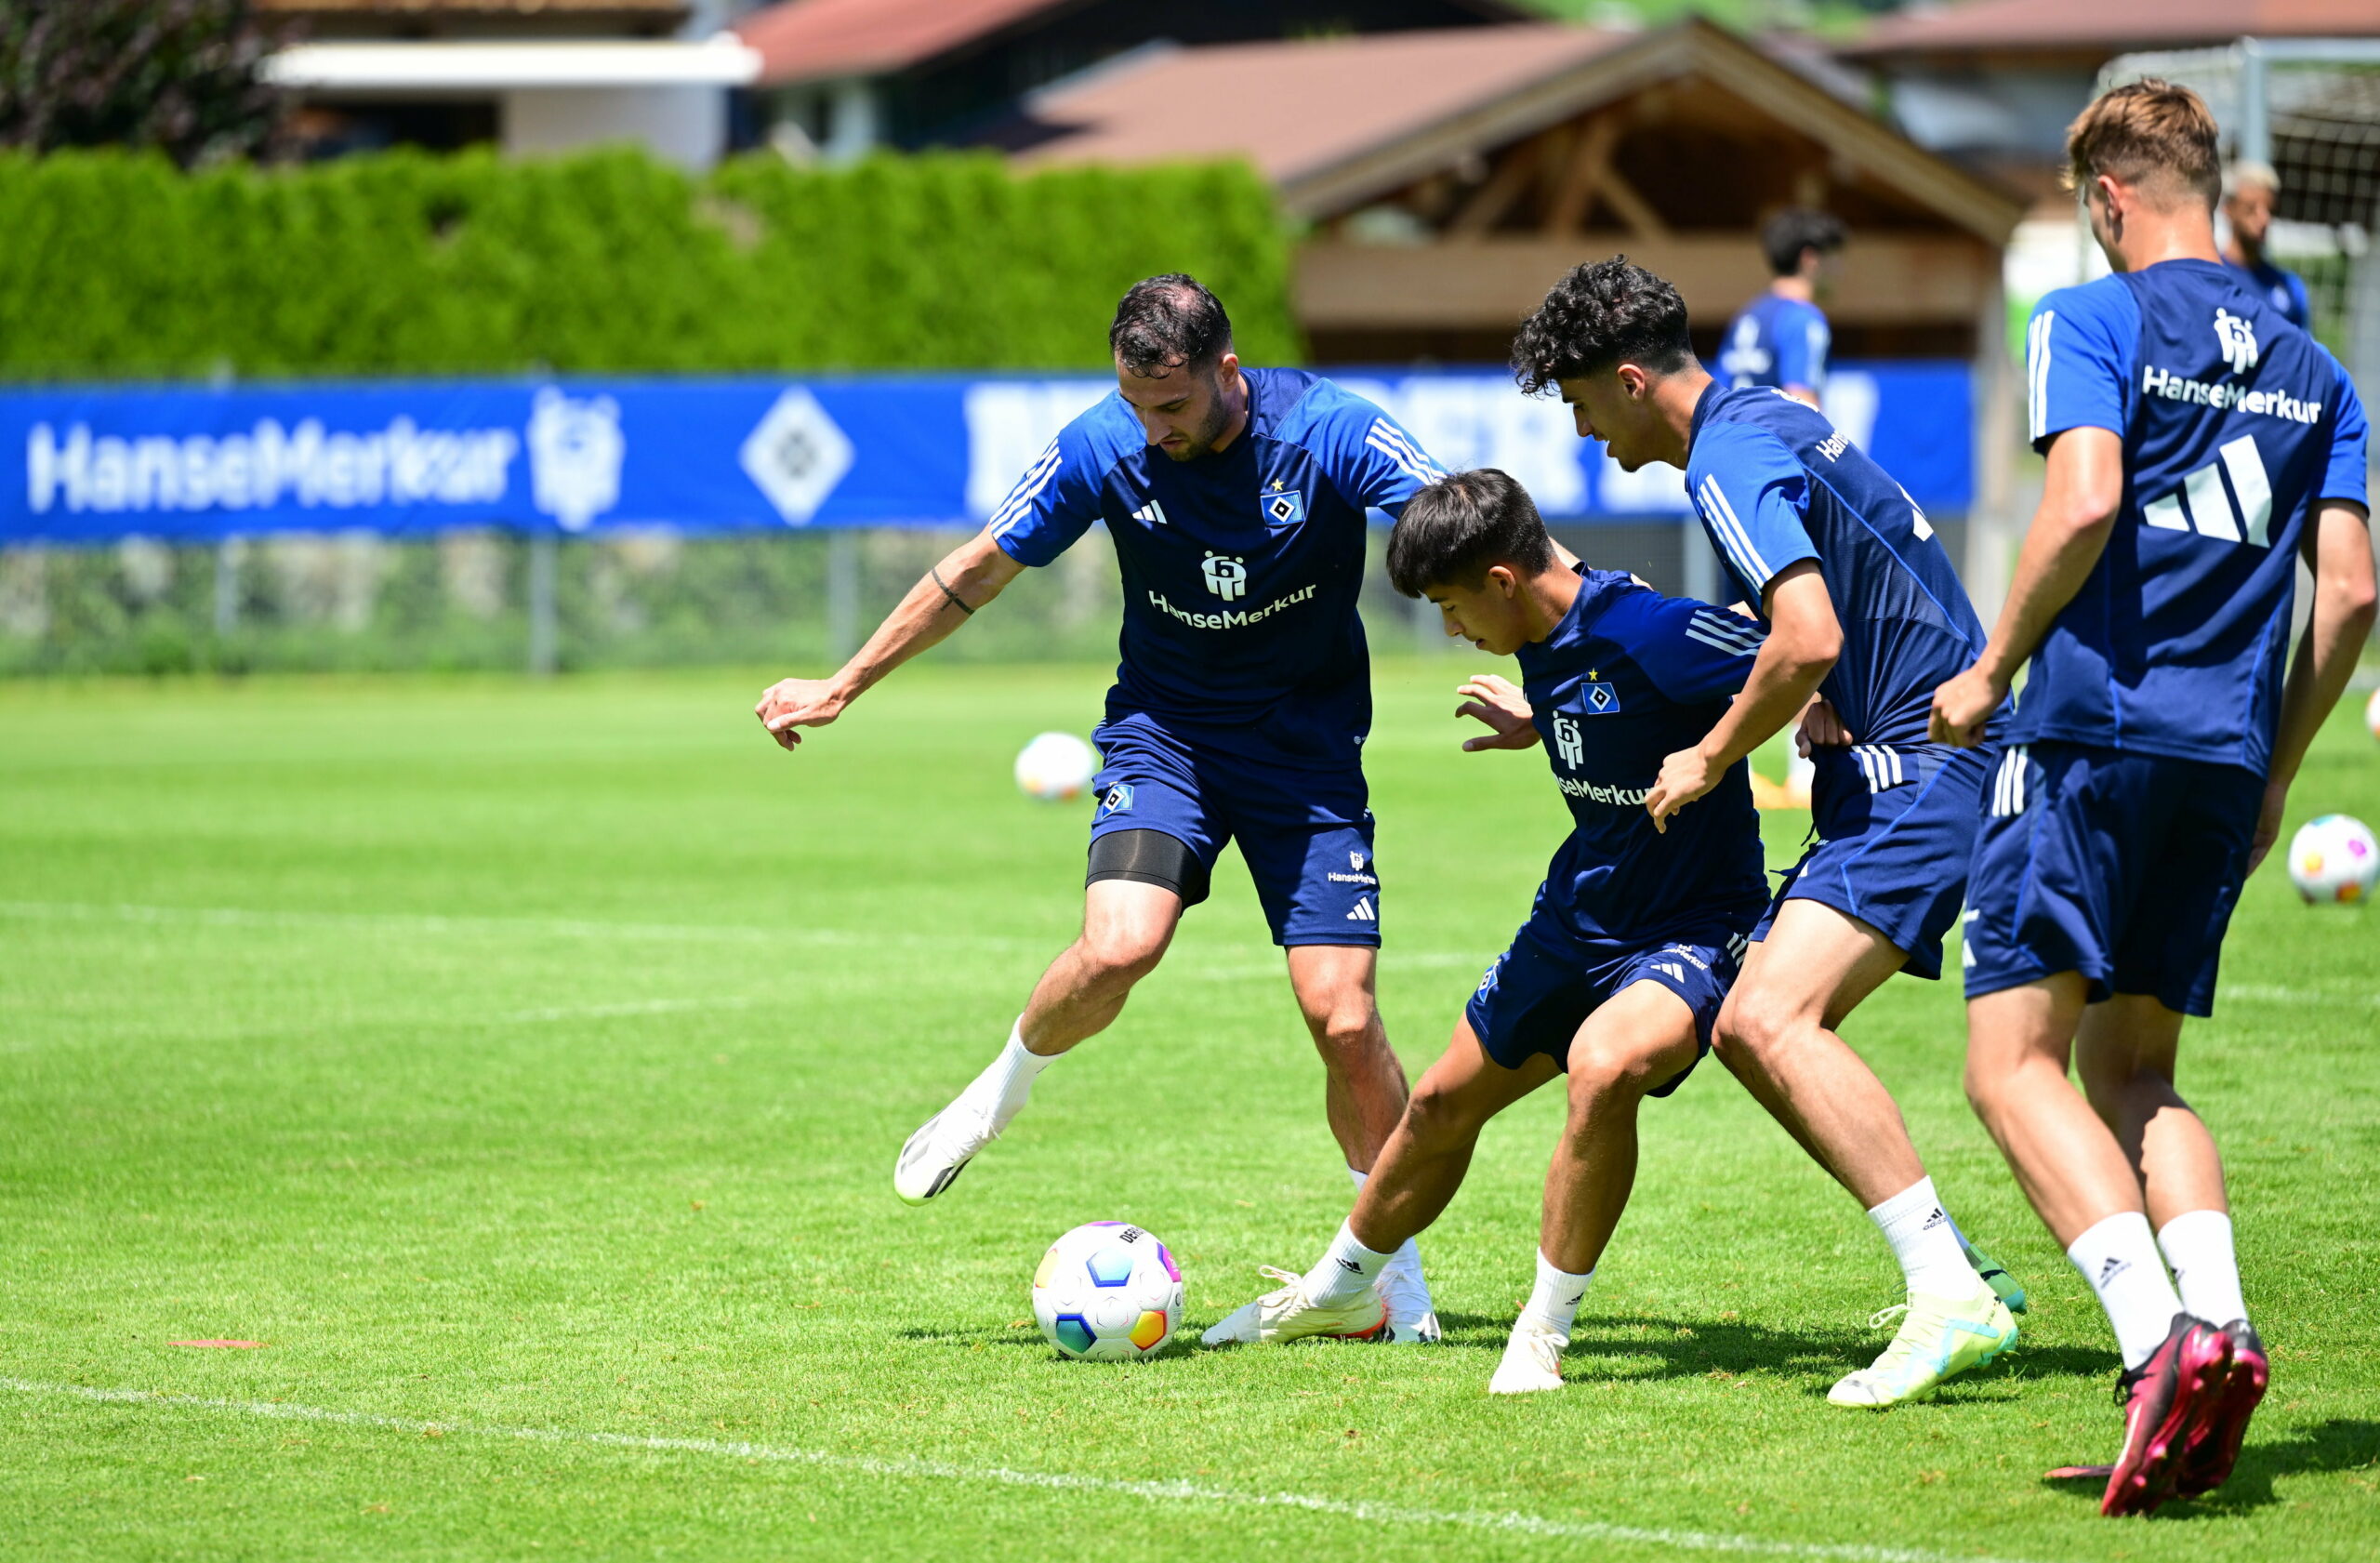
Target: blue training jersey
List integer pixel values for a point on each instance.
(1240, 568)
(2284, 290)
(1628, 678)
(1776, 342)
(2234, 425)
(1774, 484)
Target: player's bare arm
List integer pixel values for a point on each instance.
(2338, 549)
(969, 577)
(1498, 703)
(1804, 639)
(2080, 497)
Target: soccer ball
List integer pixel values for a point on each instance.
(1107, 1292)
(1056, 767)
(2333, 858)
(2372, 713)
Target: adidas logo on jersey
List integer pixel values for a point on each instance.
(1152, 513)
(1363, 912)
(2244, 515)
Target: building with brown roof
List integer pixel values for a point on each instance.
(850, 74)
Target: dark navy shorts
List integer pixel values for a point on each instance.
(1306, 836)
(2122, 866)
(1896, 825)
(1539, 992)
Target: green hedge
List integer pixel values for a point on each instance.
(115, 265)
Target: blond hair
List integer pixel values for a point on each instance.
(2144, 133)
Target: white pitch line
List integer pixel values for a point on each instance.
(630, 1007)
(2273, 993)
(1388, 1515)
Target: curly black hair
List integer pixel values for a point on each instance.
(1601, 314)
(1167, 321)
(1786, 235)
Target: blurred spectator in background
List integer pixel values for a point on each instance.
(1781, 338)
(2248, 191)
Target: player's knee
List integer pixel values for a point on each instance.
(1123, 951)
(1341, 1024)
(1605, 1072)
(1439, 1121)
(1753, 1025)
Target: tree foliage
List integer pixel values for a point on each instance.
(120, 265)
(179, 76)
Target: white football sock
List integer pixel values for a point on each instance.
(1347, 1267)
(1553, 1302)
(1008, 1082)
(1408, 1258)
(2207, 1272)
(2119, 1258)
(1925, 1242)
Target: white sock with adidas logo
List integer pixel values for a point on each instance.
(2119, 1258)
(1553, 1302)
(1925, 1241)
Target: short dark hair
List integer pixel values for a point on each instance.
(1786, 235)
(1166, 321)
(1602, 314)
(1454, 530)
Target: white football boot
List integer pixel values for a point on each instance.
(1286, 1314)
(939, 1151)
(1412, 1315)
(1532, 1359)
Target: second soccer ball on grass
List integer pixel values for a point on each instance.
(1056, 767)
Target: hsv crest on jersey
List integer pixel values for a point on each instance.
(2238, 334)
(1601, 700)
(1226, 576)
(1282, 509)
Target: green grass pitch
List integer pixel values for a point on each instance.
(523, 1067)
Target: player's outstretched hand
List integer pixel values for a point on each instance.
(1686, 775)
(1821, 728)
(790, 704)
(1495, 702)
(2268, 818)
(1961, 706)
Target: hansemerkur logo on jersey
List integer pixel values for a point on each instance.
(1226, 576)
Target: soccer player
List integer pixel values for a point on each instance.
(1236, 498)
(2249, 192)
(1861, 605)
(1619, 973)
(1781, 338)
(2199, 446)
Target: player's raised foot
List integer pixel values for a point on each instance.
(1412, 1315)
(2214, 1449)
(940, 1150)
(1285, 1315)
(2166, 1400)
(1938, 1337)
(2007, 1287)
(1532, 1359)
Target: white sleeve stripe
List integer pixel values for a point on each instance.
(1404, 442)
(1748, 559)
(1711, 635)
(1730, 627)
(1020, 498)
(1412, 468)
(1727, 648)
(2037, 355)
(1717, 526)
(1036, 477)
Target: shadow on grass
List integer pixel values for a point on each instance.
(2340, 1444)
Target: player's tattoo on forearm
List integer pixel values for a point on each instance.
(936, 571)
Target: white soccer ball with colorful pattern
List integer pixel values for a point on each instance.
(1056, 767)
(1107, 1292)
(2333, 858)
